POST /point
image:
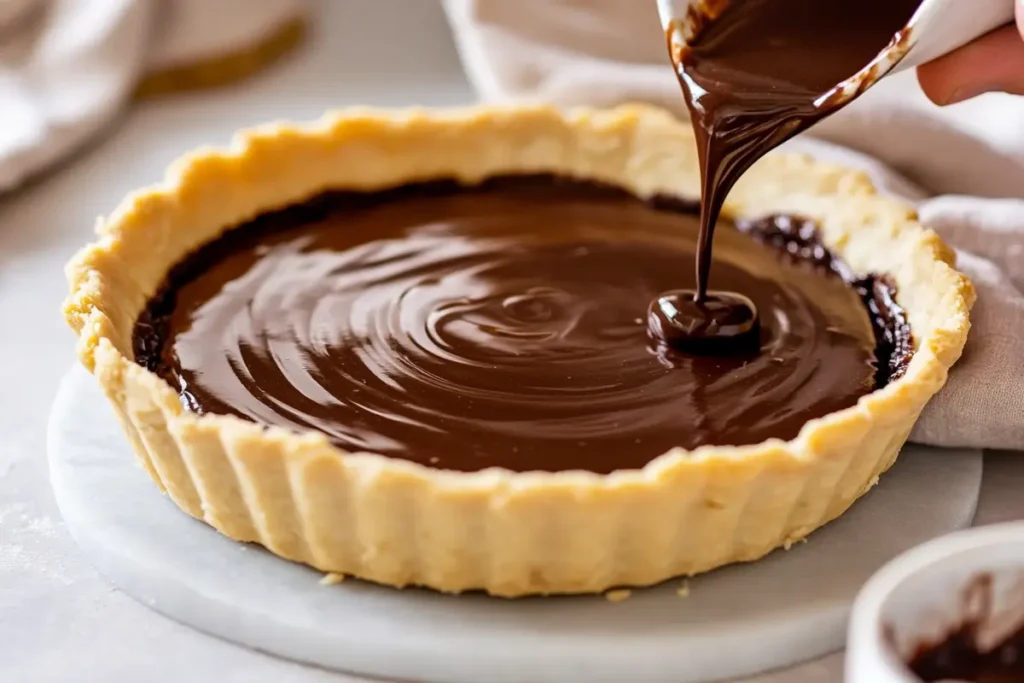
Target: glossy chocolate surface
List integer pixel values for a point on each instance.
(760, 71)
(505, 325)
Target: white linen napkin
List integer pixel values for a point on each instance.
(967, 162)
(68, 66)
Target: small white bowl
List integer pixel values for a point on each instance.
(928, 592)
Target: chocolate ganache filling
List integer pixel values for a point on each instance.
(505, 325)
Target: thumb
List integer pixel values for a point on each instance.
(992, 63)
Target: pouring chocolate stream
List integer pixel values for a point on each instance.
(758, 73)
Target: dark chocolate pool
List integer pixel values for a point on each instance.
(506, 325)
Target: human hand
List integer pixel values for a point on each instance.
(992, 63)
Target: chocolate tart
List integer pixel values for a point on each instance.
(453, 521)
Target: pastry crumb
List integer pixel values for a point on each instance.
(617, 595)
(684, 589)
(332, 579)
(790, 542)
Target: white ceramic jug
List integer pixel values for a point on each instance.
(937, 27)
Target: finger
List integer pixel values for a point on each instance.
(992, 63)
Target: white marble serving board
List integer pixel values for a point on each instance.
(739, 620)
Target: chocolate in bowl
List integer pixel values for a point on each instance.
(984, 645)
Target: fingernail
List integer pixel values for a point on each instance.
(966, 92)
(958, 95)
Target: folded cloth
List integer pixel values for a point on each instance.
(68, 66)
(965, 164)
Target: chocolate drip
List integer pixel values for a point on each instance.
(502, 325)
(759, 72)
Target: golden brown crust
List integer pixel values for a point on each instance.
(399, 523)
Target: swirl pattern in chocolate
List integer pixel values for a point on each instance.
(503, 325)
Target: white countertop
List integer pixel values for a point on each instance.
(59, 619)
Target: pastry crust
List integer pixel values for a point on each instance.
(511, 534)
